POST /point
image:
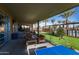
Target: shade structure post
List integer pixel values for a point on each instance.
(38, 31)
(7, 28)
(38, 27)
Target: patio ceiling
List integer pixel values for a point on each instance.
(32, 12)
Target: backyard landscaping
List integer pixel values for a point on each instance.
(67, 41)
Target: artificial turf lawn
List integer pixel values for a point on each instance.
(67, 41)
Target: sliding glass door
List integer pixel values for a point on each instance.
(5, 31)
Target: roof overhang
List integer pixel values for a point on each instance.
(26, 13)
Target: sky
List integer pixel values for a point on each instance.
(72, 18)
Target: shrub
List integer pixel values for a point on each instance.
(60, 32)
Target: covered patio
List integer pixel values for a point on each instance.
(20, 23)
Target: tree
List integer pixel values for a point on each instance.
(64, 21)
(53, 20)
(66, 15)
(60, 32)
(45, 22)
(59, 22)
(53, 30)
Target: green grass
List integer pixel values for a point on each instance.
(67, 41)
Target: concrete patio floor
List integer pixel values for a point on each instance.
(14, 47)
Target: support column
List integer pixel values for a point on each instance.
(63, 25)
(15, 27)
(67, 29)
(7, 28)
(73, 30)
(38, 27)
(38, 31)
(11, 22)
(75, 33)
(31, 27)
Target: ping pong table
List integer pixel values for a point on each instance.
(56, 50)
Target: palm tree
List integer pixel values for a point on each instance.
(64, 21)
(45, 21)
(53, 20)
(53, 27)
(59, 22)
(66, 15)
